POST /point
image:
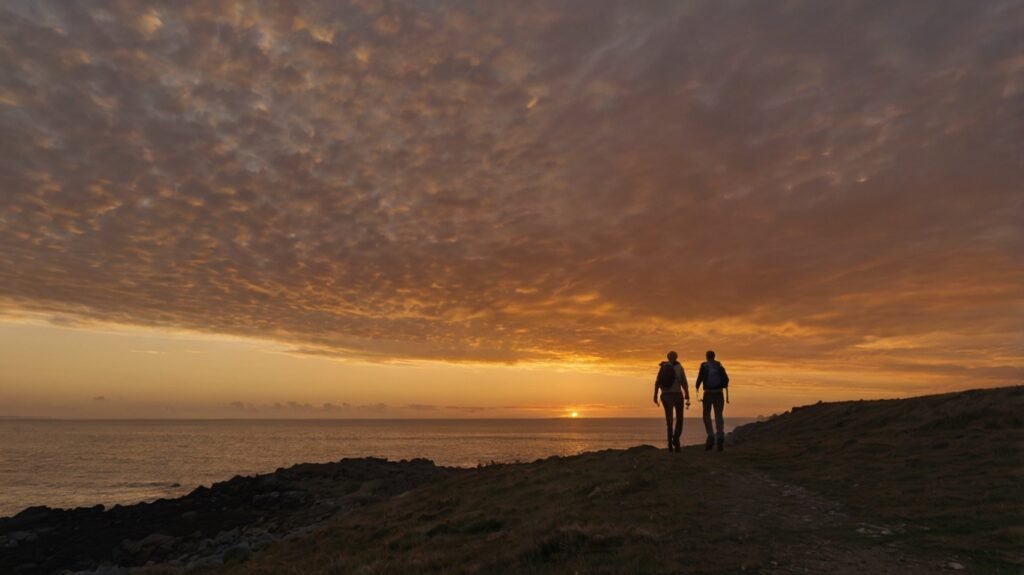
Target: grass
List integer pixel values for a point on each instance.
(950, 464)
(858, 487)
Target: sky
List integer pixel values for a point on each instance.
(504, 209)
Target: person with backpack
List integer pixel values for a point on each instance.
(671, 381)
(716, 385)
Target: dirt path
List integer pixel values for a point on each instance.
(805, 532)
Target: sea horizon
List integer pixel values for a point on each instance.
(559, 418)
(86, 462)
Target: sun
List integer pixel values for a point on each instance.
(574, 414)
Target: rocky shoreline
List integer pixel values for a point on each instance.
(210, 526)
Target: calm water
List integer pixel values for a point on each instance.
(75, 463)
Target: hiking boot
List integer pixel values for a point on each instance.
(721, 443)
(675, 443)
(670, 446)
(709, 443)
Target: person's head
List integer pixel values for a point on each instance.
(672, 356)
(710, 355)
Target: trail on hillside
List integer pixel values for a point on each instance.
(800, 531)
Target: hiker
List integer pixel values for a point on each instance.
(671, 381)
(716, 385)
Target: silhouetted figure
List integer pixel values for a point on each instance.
(716, 382)
(671, 381)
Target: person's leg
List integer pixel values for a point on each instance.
(707, 421)
(666, 403)
(719, 405)
(679, 421)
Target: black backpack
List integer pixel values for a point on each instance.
(666, 375)
(714, 377)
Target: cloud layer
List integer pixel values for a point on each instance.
(538, 181)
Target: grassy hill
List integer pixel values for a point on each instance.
(951, 465)
(903, 486)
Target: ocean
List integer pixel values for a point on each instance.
(72, 463)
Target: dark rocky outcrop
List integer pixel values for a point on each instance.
(212, 525)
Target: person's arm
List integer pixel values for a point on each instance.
(686, 385)
(700, 377)
(656, 386)
(725, 376)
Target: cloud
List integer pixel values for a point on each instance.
(468, 408)
(244, 407)
(522, 182)
(308, 409)
(99, 398)
(373, 408)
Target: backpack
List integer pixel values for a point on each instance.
(666, 375)
(714, 380)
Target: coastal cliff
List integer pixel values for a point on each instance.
(920, 485)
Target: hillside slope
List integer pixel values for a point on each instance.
(951, 464)
(906, 486)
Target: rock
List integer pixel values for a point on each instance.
(106, 569)
(270, 479)
(955, 566)
(261, 541)
(293, 496)
(232, 516)
(151, 541)
(239, 553)
(206, 545)
(205, 562)
(266, 498)
(24, 536)
(34, 512)
(225, 537)
(299, 532)
(158, 540)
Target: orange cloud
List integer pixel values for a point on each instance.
(523, 183)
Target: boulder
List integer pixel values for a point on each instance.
(23, 536)
(205, 562)
(150, 542)
(238, 554)
(225, 537)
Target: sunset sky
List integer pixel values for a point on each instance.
(504, 209)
